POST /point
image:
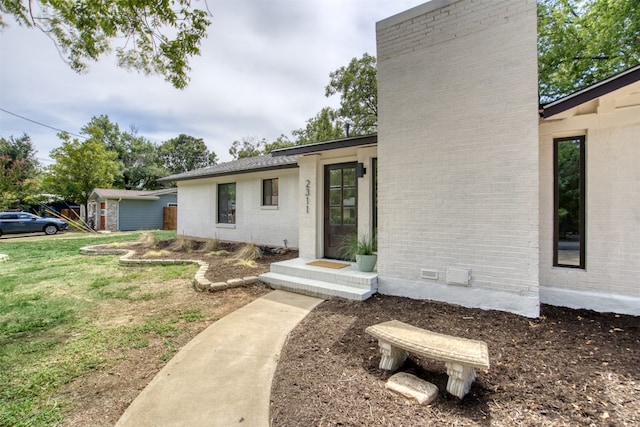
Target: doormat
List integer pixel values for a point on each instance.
(328, 264)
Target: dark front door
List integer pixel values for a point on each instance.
(340, 206)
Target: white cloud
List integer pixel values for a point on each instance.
(262, 72)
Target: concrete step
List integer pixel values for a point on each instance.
(348, 276)
(315, 288)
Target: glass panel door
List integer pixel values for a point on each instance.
(341, 206)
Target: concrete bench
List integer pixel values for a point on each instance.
(460, 355)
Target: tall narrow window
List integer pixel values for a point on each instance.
(374, 167)
(270, 192)
(227, 203)
(569, 202)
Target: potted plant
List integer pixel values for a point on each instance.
(362, 250)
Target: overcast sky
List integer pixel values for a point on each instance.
(261, 73)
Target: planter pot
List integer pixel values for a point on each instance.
(366, 262)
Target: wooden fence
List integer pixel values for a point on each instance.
(170, 218)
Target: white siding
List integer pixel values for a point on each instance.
(457, 142)
(197, 209)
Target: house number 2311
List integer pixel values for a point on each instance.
(307, 192)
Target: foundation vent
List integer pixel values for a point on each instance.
(429, 274)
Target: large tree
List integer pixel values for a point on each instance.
(325, 126)
(282, 141)
(250, 146)
(581, 42)
(80, 166)
(247, 147)
(185, 153)
(141, 161)
(140, 166)
(19, 170)
(154, 36)
(358, 88)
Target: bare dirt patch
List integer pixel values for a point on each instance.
(100, 398)
(567, 368)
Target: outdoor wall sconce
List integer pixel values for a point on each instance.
(360, 170)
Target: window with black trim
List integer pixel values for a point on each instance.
(569, 202)
(270, 192)
(227, 203)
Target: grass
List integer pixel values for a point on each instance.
(49, 331)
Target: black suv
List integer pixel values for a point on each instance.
(23, 222)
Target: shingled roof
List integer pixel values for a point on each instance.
(114, 193)
(246, 165)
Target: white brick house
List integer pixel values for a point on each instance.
(607, 116)
(457, 142)
(249, 200)
(459, 182)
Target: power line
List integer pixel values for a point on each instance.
(41, 124)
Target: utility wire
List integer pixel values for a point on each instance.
(41, 124)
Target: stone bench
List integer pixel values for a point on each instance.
(460, 355)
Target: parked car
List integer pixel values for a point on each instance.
(23, 222)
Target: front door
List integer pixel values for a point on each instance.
(340, 206)
(103, 213)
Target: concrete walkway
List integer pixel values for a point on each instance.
(223, 376)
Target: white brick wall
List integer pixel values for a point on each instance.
(197, 209)
(611, 280)
(457, 142)
(312, 177)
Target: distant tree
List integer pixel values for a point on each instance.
(247, 147)
(103, 129)
(581, 42)
(141, 161)
(281, 142)
(358, 88)
(157, 36)
(140, 166)
(323, 127)
(185, 153)
(79, 168)
(19, 169)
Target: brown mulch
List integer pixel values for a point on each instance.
(221, 265)
(567, 368)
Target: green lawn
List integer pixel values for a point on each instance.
(49, 330)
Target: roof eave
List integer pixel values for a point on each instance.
(592, 92)
(177, 178)
(327, 145)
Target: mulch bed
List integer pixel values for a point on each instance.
(221, 267)
(566, 368)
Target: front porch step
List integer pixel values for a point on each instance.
(349, 276)
(296, 275)
(315, 288)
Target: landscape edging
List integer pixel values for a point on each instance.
(199, 281)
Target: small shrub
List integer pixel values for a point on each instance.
(247, 252)
(181, 244)
(148, 240)
(155, 254)
(210, 246)
(242, 263)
